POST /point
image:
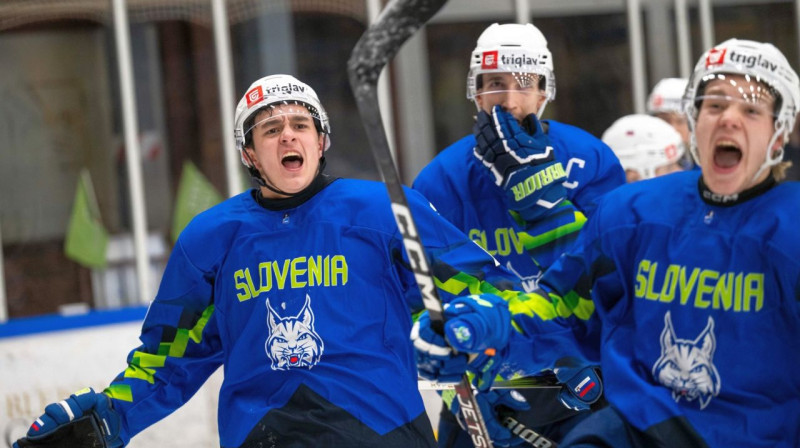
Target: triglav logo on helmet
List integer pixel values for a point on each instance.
(518, 60)
(715, 56)
(254, 96)
(285, 89)
(751, 61)
(489, 60)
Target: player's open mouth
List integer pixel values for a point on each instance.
(292, 160)
(727, 154)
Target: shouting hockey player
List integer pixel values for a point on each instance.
(300, 289)
(520, 187)
(695, 276)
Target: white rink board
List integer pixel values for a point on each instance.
(42, 368)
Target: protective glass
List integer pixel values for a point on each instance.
(272, 119)
(510, 82)
(752, 97)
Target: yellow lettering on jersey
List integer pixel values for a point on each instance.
(650, 294)
(754, 289)
(315, 269)
(670, 283)
(241, 286)
(295, 273)
(506, 240)
(737, 291)
(338, 269)
(687, 286)
(280, 274)
(502, 241)
(265, 276)
(641, 281)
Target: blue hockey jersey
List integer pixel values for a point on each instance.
(307, 309)
(463, 191)
(700, 310)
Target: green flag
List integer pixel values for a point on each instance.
(195, 194)
(86, 239)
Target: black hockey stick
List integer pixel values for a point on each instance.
(398, 21)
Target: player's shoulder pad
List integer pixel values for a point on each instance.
(664, 196)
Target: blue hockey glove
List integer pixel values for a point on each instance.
(522, 162)
(582, 386)
(85, 409)
(479, 325)
(492, 403)
(436, 360)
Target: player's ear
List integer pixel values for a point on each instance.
(250, 153)
(323, 138)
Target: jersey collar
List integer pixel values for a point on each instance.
(709, 197)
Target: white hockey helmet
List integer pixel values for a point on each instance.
(667, 96)
(512, 48)
(271, 91)
(644, 143)
(761, 62)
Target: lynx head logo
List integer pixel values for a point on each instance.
(292, 341)
(686, 366)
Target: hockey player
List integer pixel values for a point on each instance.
(300, 290)
(646, 146)
(696, 277)
(520, 187)
(664, 102)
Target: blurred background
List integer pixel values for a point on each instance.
(63, 109)
(116, 116)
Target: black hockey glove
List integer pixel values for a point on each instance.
(84, 420)
(521, 162)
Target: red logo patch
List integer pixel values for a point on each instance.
(489, 60)
(671, 151)
(715, 56)
(254, 96)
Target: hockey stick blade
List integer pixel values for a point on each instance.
(398, 21)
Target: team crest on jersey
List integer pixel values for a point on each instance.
(293, 342)
(529, 282)
(687, 366)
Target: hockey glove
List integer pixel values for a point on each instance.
(85, 419)
(479, 325)
(582, 386)
(522, 162)
(436, 361)
(492, 404)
